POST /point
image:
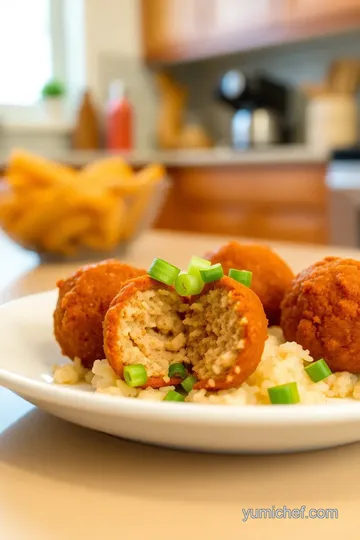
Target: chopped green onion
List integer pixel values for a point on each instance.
(318, 370)
(213, 273)
(188, 383)
(186, 284)
(135, 375)
(284, 394)
(180, 390)
(177, 370)
(163, 271)
(173, 396)
(196, 264)
(242, 276)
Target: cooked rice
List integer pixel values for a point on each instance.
(282, 362)
(71, 373)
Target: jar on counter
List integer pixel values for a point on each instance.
(331, 121)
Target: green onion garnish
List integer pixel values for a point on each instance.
(188, 383)
(213, 273)
(196, 264)
(173, 396)
(177, 370)
(180, 390)
(318, 370)
(186, 284)
(284, 394)
(242, 276)
(135, 375)
(163, 271)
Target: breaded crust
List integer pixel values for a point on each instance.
(246, 304)
(271, 275)
(243, 301)
(321, 311)
(111, 343)
(82, 304)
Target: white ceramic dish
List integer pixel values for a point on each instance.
(28, 352)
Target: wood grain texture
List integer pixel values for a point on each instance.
(280, 202)
(220, 30)
(169, 25)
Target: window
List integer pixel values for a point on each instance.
(29, 48)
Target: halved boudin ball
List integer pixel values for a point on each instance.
(83, 301)
(220, 336)
(144, 325)
(321, 311)
(271, 276)
(226, 333)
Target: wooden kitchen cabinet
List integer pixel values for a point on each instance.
(309, 9)
(277, 202)
(184, 29)
(240, 25)
(169, 27)
(176, 30)
(310, 18)
(232, 16)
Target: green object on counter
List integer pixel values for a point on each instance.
(52, 89)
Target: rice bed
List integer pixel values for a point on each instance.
(282, 362)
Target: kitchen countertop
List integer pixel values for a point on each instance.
(219, 156)
(58, 480)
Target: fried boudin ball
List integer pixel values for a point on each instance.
(219, 335)
(321, 311)
(271, 276)
(83, 301)
(144, 325)
(226, 333)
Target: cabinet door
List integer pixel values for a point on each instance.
(318, 8)
(167, 25)
(234, 15)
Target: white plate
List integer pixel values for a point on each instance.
(28, 351)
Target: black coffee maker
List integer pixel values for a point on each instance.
(261, 109)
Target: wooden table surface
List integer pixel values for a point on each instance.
(59, 481)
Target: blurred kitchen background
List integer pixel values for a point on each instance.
(253, 107)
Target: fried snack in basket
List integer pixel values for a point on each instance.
(18, 182)
(64, 237)
(36, 213)
(107, 167)
(38, 170)
(145, 183)
(50, 208)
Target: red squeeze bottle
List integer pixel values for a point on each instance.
(119, 122)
